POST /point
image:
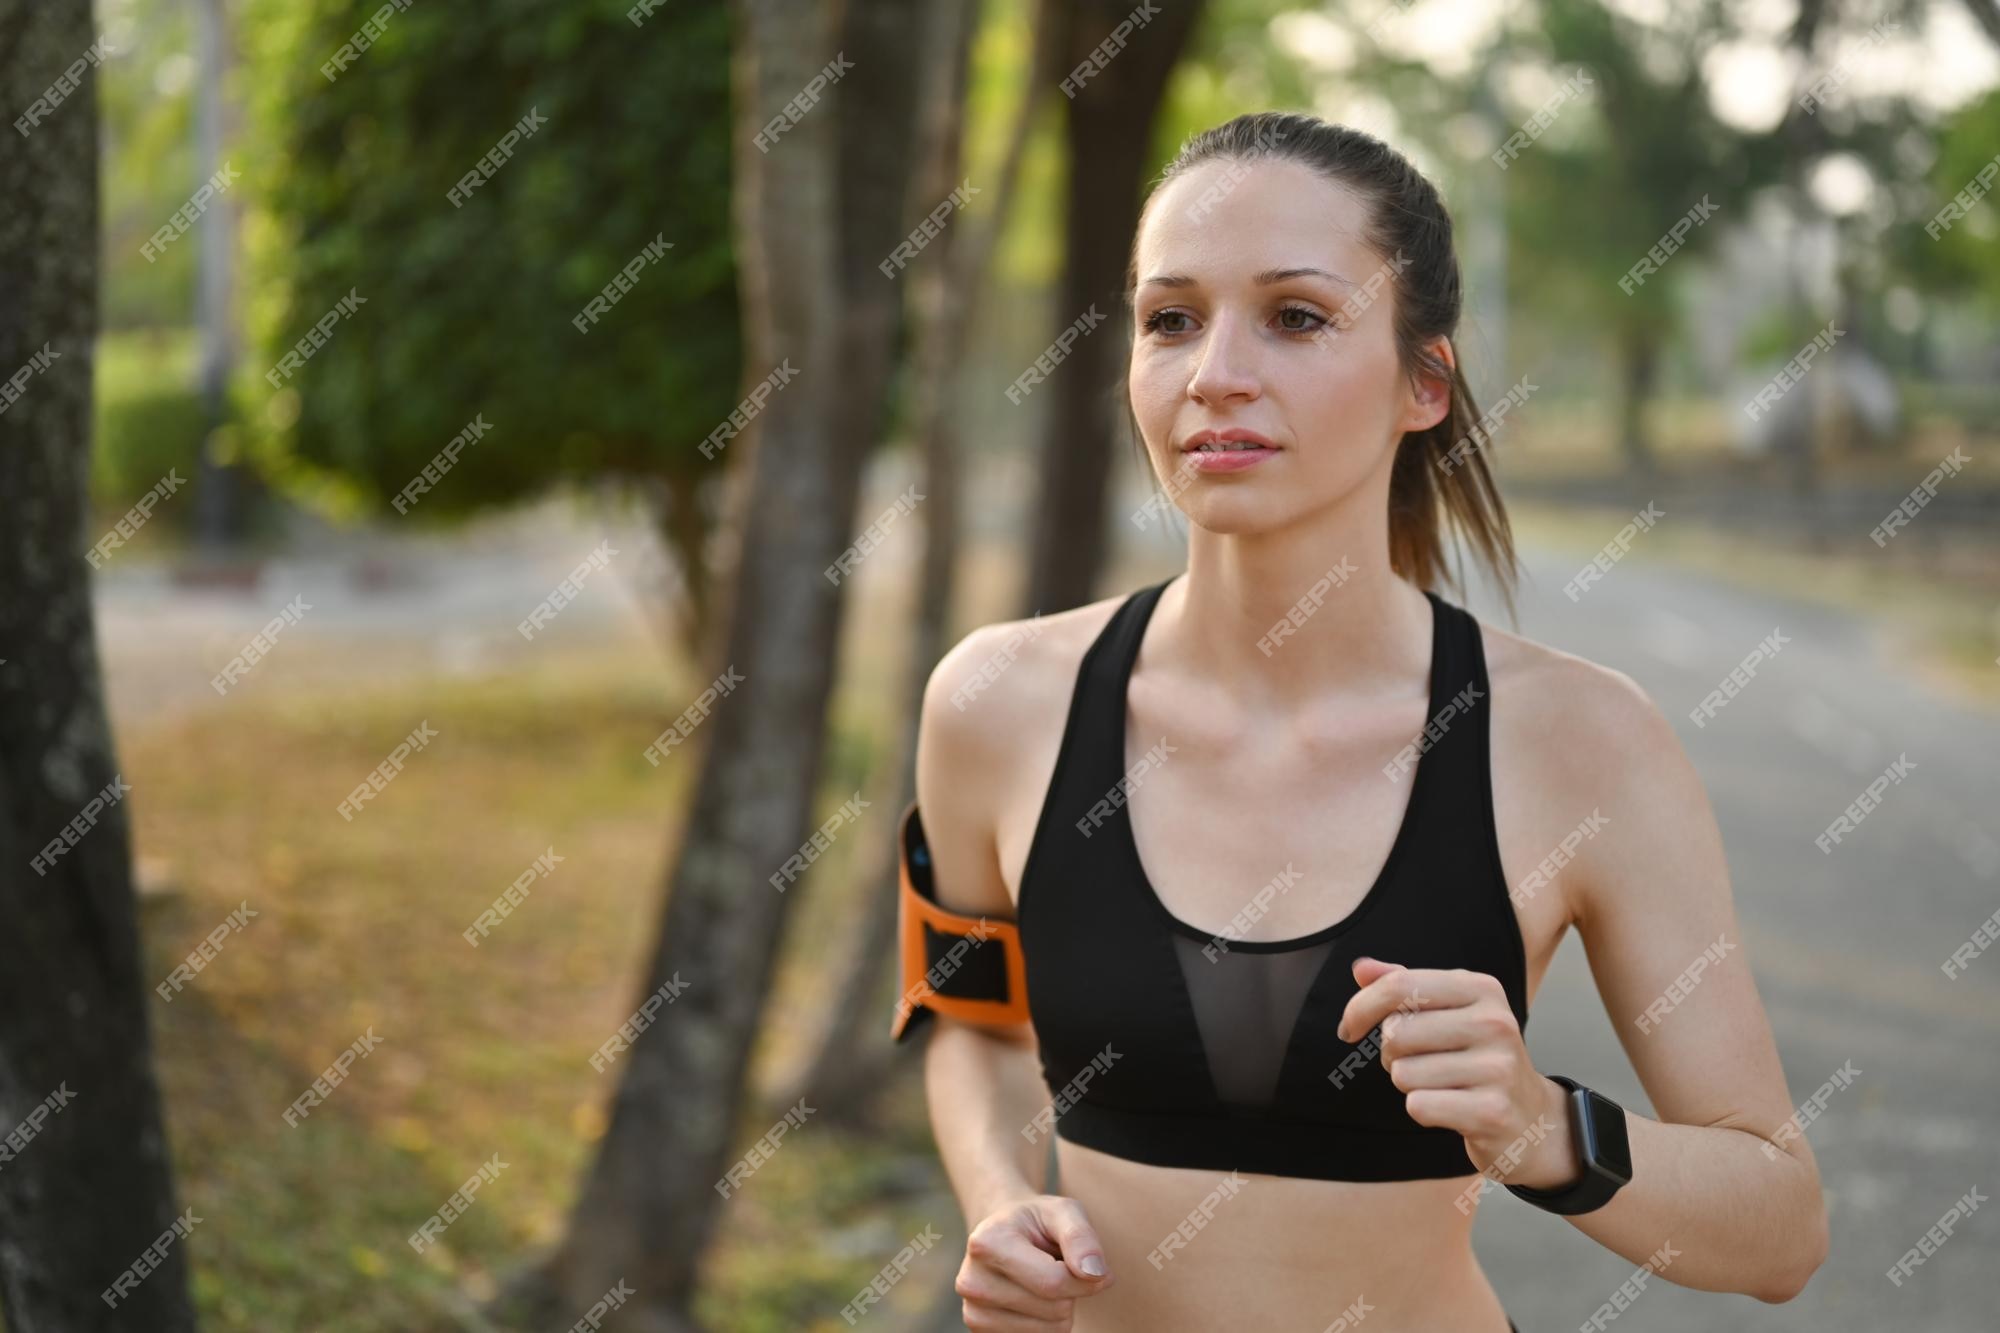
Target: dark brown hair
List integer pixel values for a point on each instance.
(1430, 482)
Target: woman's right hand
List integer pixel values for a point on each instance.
(1026, 1263)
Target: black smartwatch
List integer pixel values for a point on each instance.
(1598, 1130)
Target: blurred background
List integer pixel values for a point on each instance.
(480, 488)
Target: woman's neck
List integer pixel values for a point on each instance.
(1297, 610)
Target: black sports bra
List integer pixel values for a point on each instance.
(1165, 1044)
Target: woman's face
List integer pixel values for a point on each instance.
(1274, 318)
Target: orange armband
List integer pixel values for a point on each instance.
(968, 968)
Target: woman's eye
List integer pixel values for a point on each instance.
(1319, 321)
(1153, 321)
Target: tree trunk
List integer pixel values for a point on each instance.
(850, 1062)
(1110, 138)
(816, 214)
(1638, 374)
(86, 1187)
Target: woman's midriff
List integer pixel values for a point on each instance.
(1196, 1250)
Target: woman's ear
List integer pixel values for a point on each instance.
(1430, 392)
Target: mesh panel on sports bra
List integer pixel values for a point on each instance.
(1246, 1005)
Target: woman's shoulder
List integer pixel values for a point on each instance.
(1584, 723)
(1002, 678)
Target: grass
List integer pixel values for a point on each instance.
(482, 1051)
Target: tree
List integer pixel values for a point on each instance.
(816, 214)
(471, 290)
(88, 1187)
(1108, 127)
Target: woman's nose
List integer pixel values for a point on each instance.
(1226, 368)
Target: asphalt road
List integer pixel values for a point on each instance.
(1847, 949)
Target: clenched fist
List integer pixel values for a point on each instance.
(1026, 1264)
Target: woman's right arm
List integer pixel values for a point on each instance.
(983, 1082)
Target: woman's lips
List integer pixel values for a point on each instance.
(1226, 460)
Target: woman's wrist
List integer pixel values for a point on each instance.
(1550, 1163)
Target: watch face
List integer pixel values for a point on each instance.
(1605, 1143)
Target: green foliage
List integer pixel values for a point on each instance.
(466, 311)
(150, 420)
(1966, 252)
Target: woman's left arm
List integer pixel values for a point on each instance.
(1722, 1176)
(1725, 1194)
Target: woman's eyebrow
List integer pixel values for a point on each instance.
(1264, 279)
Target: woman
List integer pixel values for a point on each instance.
(1258, 969)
